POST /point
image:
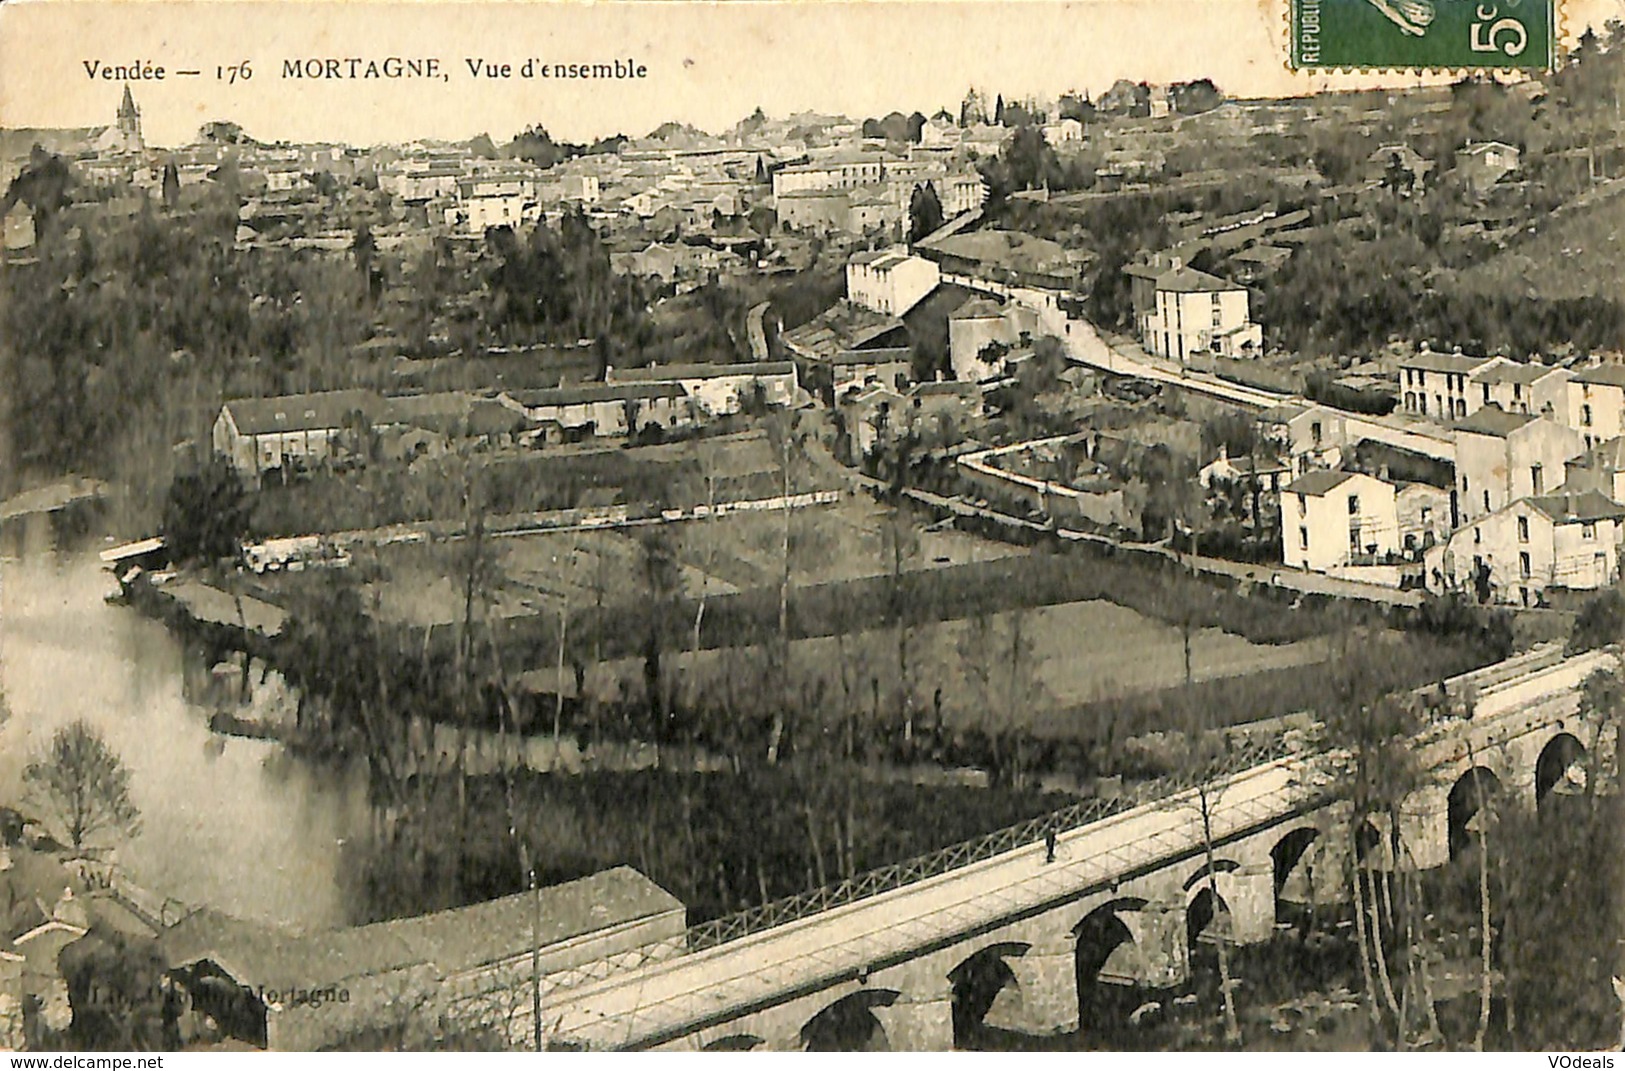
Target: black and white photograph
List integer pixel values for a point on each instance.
(691, 527)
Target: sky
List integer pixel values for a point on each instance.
(708, 64)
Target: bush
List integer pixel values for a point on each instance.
(1601, 621)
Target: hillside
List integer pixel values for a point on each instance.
(1578, 252)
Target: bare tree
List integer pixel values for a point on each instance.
(82, 786)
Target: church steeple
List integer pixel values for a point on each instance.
(129, 119)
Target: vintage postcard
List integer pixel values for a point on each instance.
(1012, 526)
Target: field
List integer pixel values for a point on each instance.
(716, 557)
(1073, 654)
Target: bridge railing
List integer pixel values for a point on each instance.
(884, 879)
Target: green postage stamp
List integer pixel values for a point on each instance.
(1448, 34)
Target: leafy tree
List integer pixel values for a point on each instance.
(171, 186)
(42, 185)
(206, 514)
(1076, 106)
(1601, 621)
(1192, 98)
(364, 248)
(924, 212)
(81, 786)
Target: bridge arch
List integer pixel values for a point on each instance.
(1207, 918)
(983, 981)
(1105, 953)
(734, 1043)
(1465, 822)
(1560, 768)
(1291, 866)
(850, 1024)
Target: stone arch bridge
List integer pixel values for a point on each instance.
(1035, 946)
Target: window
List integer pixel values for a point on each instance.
(1523, 564)
(1354, 505)
(1303, 538)
(1535, 479)
(1478, 535)
(1314, 432)
(1423, 399)
(1486, 394)
(1218, 317)
(1517, 391)
(1585, 415)
(1486, 501)
(1464, 485)
(1523, 529)
(1588, 530)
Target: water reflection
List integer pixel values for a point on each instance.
(233, 823)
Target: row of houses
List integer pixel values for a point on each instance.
(289, 433)
(1530, 505)
(1451, 387)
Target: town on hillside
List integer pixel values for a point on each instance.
(1135, 569)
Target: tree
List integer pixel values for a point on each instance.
(363, 249)
(924, 212)
(1601, 621)
(42, 185)
(171, 186)
(81, 786)
(206, 514)
(1378, 769)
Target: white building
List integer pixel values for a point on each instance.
(1518, 387)
(258, 435)
(1566, 540)
(1063, 132)
(889, 281)
(1502, 457)
(719, 389)
(1195, 312)
(1434, 384)
(1333, 519)
(474, 214)
(1596, 402)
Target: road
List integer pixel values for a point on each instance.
(758, 335)
(1085, 345)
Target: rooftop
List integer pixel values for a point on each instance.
(1505, 371)
(302, 412)
(451, 941)
(884, 355)
(1191, 281)
(1008, 249)
(1605, 375)
(667, 373)
(1433, 361)
(1578, 507)
(1315, 484)
(596, 392)
(1493, 420)
(842, 326)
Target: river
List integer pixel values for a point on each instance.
(237, 824)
